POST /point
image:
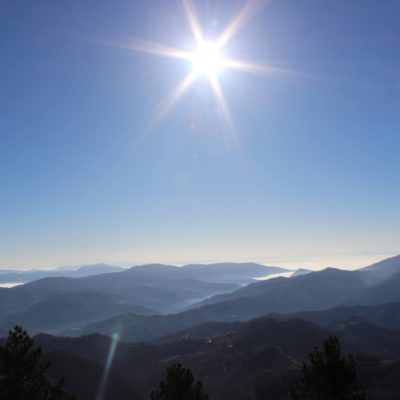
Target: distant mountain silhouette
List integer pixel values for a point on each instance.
(388, 264)
(239, 273)
(230, 272)
(384, 269)
(301, 271)
(32, 275)
(95, 269)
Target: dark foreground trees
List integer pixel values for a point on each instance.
(179, 384)
(23, 374)
(329, 375)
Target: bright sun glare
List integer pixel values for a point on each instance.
(207, 59)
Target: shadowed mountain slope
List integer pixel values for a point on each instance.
(260, 358)
(386, 315)
(64, 310)
(84, 377)
(317, 290)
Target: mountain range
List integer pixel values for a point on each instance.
(244, 338)
(56, 303)
(311, 292)
(131, 301)
(240, 273)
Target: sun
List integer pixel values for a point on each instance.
(207, 59)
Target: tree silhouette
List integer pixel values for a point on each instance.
(328, 375)
(23, 375)
(179, 384)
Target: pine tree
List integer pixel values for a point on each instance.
(179, 384)
(23, 375)
(329, 375)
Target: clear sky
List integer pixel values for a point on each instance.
(308, 173)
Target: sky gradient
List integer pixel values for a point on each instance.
(86, 175)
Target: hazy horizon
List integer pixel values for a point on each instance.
(348, 262)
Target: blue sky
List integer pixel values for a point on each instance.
(86, 176)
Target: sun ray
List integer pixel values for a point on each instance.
(145, 46)
(194, 23)
(101, 394)
(264, 70)
(173, 97)
(219, 95)
(247, 12)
